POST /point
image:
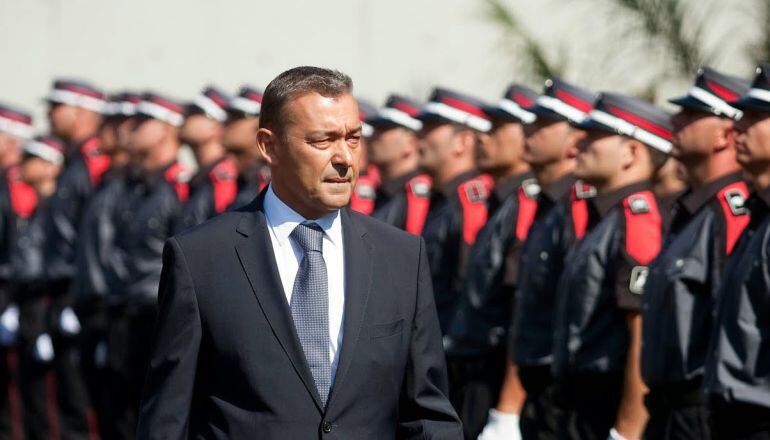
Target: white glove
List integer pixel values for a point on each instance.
(69, 322)
(501, 426)
(43, 348)
(615, 435)
(9, 325)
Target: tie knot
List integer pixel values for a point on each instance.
(309, 236)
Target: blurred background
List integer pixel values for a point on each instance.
(645, 47)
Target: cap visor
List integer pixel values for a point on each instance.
(691, 103)
(749, 103)
(498, 114)
(544, 112)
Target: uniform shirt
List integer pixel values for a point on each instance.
(481, 321)
(541, 263)
(146, 218)
(391, 204)
(683, 282)
(448, 238)
(603, 281)
(99, 267)
(76, 184)
(281, 221)
(738, 366)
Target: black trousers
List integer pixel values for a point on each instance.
(739, 421)
(540, 412)
(474, 388)
(589, 405)
(677, 413)
(130, 343)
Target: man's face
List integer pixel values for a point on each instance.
(40, 174)
(389, 145)
(600, 156)
(549, 140)
(108, 135)
(315, 161)
(753, 141)
(501, 147)
(10, 150)
(240, 140)
(147, 133)
(62, 118)
(697, 134)
(437, 143)
(199, 129)
(123, 131)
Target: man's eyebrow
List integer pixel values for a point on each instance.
(357, 129)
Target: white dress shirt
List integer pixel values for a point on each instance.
(281, 221)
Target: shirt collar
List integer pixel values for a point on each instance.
(603, 203)
(694, 199)
(282, 220)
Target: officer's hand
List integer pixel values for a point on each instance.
(69, 322)
(501, 426)
(9, 325)
(615, 435)
(43, 348)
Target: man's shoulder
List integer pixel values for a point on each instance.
(213, 233)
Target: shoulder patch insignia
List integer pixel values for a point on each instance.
(583, 190)
(638, 279)
(736, 201)
(638, 205)
(531, 188)
(421, 189)
(365, 191)
(476, 191)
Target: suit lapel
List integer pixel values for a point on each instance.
(358, 280)
(255, 252)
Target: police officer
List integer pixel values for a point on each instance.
(403, 197)
(550, 149)
(98, 267)
(669, 183)
(736, 378)
(22, 207)
(75, 115)
(214, 186)
(362, 199)
(145, 218)
(240, 142)
(598, 318)
(684, 281)
(452, 124)
(476, 343)
(15, 128)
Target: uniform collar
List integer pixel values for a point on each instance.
(154, 177)
(450, 188)
(559, 189)
(508, 185)
(392, 188)
(282, 220)
(764, 196)
(603, 203)
(694, 199)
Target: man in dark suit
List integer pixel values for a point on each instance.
(294, 317)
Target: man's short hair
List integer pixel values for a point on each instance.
(297, 82)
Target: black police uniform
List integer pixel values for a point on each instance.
(737, 376)
(679, 305)
(404, 201)
(531, 335)
(457, 212)
(598, 288)
(476, 343)
(212, 190)
(146, 217)
(83, 170)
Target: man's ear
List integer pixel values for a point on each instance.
(632, 152)
(574, 137)
(465, 140)
(267, 143)
(727, 135)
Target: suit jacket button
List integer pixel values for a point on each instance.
(326, 427)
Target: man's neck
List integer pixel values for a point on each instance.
(504, 173)
(160, 157)
(702, 172)
(392, 172)
(445, 176)
(553, 172)
(620, 181)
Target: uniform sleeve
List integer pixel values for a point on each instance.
(168, 391)
(424, 408)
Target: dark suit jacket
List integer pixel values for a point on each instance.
(227, 362)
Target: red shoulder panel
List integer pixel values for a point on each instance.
(526, 215)
(96, 161)
(579, 207)
(172, 176)
(473, 194)
(417, 202)
(644, 231)
(23, 196)
(732, 198)
(362, 199)
(224, 180)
